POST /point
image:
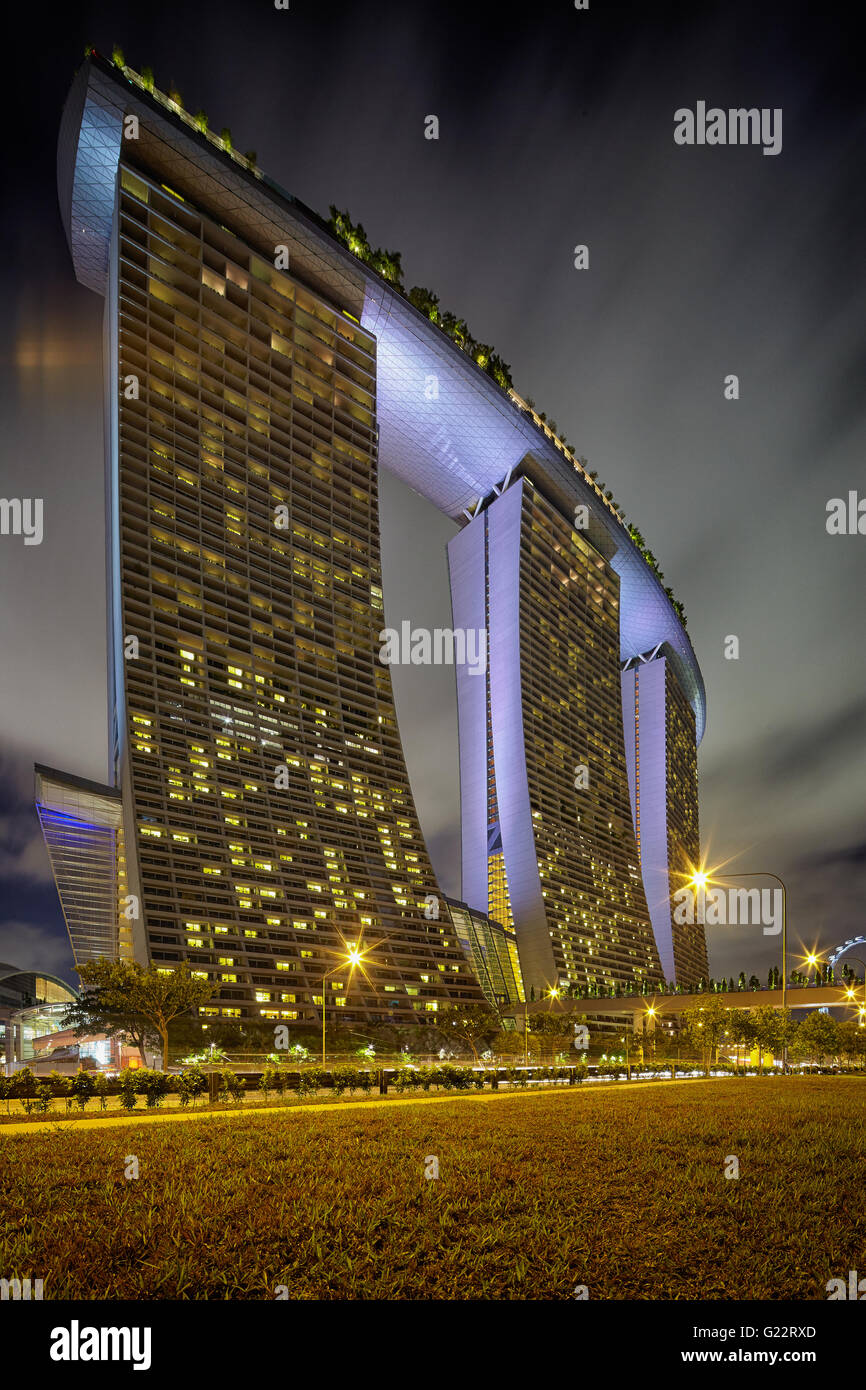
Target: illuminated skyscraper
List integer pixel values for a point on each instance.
(663, 781)
(546, 809)
(267, 816)
(259, 374)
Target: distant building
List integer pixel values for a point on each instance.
(491, 950)
(32, 1004)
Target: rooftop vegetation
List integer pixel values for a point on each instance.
(388, 264)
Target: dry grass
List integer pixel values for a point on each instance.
(624, 1192)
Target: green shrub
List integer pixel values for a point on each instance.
(128, 1089)
(314, 1080)
(153, 1085)
(231, 1086)
(23, 1084)
(191, 1084)
(344, 1079)
(83, 1088)
(44, 1097)
(102, 1089)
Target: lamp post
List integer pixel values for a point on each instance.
(863, 1010)
(862, 1007)
(627, 1055)
(701, 879)
(353, 958)
(651, 1013)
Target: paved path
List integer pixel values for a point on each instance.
(179, 1117)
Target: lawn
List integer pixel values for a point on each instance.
(622, 1191)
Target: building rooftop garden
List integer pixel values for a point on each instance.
(388, 265)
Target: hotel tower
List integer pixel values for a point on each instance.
(258, 813)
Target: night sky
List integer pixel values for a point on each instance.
(556, 128)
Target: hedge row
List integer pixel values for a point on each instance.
(36, 1094)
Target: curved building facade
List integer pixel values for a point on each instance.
(258, 375)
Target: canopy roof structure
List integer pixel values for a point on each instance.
(455, 445)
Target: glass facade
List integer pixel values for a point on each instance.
(560, 862)
(258, 376)
(82, 825)
(661, 752)
(492, 952)
(257, 740)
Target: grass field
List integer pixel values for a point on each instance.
(623, 1192)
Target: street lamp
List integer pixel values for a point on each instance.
(354, 957)
(811, 959)
(862, 1007)
(627, 1056)
(651, 1012)
(700, 880)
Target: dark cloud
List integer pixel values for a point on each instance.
(850, 854)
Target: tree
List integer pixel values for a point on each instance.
(817, 1037)
(471, 1024)
(704, 1028)
(122, 998)
(852, 1041)
(102, 1090)
(741, 1030)
(554, 1027)
(102, 1008)
(508, 1043)
(772, 1027)
(426, 301)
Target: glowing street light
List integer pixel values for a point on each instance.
(700, 879)
(850, 994)
(354, 959)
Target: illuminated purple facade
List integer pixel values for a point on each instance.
(216, 279)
